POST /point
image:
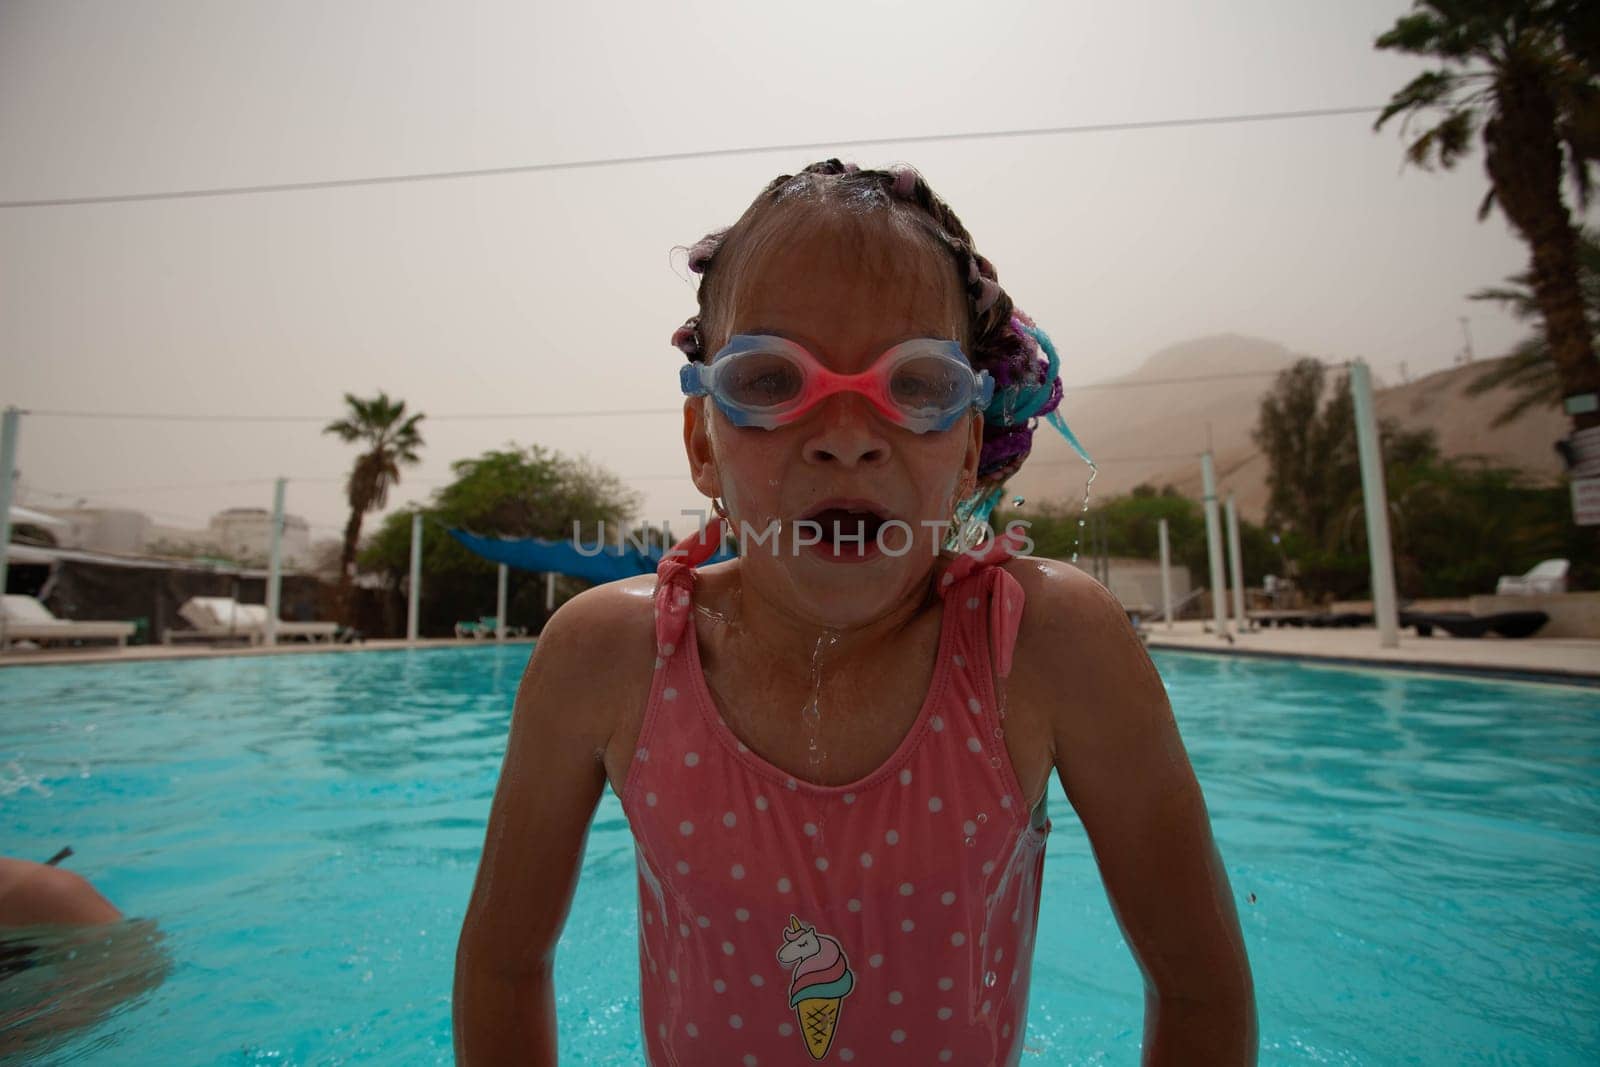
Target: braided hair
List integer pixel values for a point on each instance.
(1000, 338)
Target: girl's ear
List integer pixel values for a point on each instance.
(697, 446)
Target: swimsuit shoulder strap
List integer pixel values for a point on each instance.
(977, 575)
(675, 583)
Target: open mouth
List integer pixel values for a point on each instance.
(848, 530)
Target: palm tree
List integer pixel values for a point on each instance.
(1526, 72)
(1528, 370)
(390, 438)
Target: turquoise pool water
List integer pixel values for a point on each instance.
(304, 830)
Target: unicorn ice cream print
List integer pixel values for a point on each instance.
(821, 980)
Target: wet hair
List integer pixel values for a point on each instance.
(999, 337)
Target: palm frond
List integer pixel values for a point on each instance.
(1418, 33)
(1528, 372)
(1448, 141)
(1426, 90)
(1455, 136)
(1520, 302)
(1487, 205)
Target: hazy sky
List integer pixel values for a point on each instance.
(558, 291)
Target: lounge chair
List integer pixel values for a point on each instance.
(28, 620)
(1549, 577)
(484, 627)
(1460, 624)
(219, 618)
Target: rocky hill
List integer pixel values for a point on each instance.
(1151, 425)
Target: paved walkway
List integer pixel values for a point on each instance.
(1568, 660)
(132, 653)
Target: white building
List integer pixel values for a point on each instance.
(1137, 582)
(120, 530)
(246, 534)
(243, 534)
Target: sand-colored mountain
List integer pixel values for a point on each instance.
(1153, 424)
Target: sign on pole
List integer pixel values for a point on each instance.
(1586, 501)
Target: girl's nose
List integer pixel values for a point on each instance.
(848, 431)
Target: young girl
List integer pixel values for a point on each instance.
(833, 751)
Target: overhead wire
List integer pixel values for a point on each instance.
(693, 154)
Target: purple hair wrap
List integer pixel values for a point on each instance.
(686, 338)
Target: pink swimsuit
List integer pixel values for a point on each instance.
(887, 921)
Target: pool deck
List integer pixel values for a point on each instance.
(1570, 661)
(139, 653)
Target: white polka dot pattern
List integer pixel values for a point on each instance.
(913, 870)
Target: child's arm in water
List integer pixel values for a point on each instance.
(1115, 745)
(550, 782)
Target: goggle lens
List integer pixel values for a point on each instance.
(927, 385)
(761, 380)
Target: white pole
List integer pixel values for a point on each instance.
(1375, 501)
(1166, 572)
(275, 564)
(416, 577)
(549, 590)
(500, 604)
(1236, 565)
(8, 479)
(1208, 479)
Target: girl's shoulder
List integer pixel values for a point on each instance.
(1053, 582)
(625, 606)
(601, 646)
(1072, 627)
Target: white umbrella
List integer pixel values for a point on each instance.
(35, 518)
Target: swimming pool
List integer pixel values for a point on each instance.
(1423, 854)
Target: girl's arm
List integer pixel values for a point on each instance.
(1117, 751)
(550, 783)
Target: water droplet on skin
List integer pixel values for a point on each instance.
(1017, 502)
(983, 816)
(811, 713)
(969, 842)
(990, 979)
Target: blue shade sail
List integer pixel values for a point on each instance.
(593, 563)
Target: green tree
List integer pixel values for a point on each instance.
(507, 492)
(1528, 370)
(1306, 430)
(1458, 525)
(1131, 525)
(1525, 72)
(389, 438)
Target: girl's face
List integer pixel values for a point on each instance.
(847, 290)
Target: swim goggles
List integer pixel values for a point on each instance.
(757, 380)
